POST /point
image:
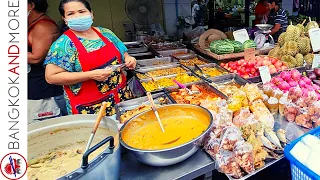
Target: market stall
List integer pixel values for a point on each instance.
(217, 116)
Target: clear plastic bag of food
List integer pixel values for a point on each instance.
(226, 163)
(242, 117)
(294, 94)
(303, 118)
(224, 117)
(230, 136)
(290, 111)
(244, 156)
(310, 97)
(212, 146)
(314, 113)
(301, 103)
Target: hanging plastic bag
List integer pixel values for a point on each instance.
(135, 87)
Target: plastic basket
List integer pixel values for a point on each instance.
(298, 170)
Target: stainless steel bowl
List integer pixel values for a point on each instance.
(170, 156)
(264, 27)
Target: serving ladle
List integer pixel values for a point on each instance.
(155, 110)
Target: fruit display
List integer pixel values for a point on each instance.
(192, 62)
(201, 93)
(166, 82)
(311, 25)
(314, 75)
(294, 46)
(290, 79)
(227, 46)
(247, 69)
(249, 44)
(210, 71)
(161, 72)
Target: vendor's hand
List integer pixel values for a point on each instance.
(130, 62)
(101, 74)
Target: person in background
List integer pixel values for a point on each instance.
(80, 60)
(278, 18)
(196, 13)
(44, 100)
(261, 12)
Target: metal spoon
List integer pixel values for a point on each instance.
(155, 110)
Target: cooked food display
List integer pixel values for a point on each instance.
(65, 158)
(201, 93)
(192, 62)
(211, 71)
(130, 113)
(161, 72)
(166, 82)
(141, 108)
(144, 132)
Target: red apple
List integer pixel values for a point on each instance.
(273, 70)
(246, 76)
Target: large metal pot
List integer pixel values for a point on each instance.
(67, 132)
(166, 157)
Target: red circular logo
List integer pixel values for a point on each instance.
(13, 166)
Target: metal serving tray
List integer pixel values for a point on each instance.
(145, 70)
(136, 47)
(124, 106)
(191, 56)
(160, 77)
(153, 62)
(168, 53)
(166, 46)
(211, 88)
(228, 78)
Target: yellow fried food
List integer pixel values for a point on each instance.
(162, 72)
(211, 71)
(166, 82)
(191, 62)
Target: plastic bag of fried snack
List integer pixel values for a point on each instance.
(242, 117)
(230, 136)
(294, 94)
(212, 146)
(303, 119)
(290, 111)
(314, 113)
(310, 97)
(223, 118)
(244, 156)
(226, 163)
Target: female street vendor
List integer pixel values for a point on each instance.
(80, 60)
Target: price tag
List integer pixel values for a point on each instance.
(250, 54)
(314, 37)
(316, 61)
(265, 74)
(241, 35)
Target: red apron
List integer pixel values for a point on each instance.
(93, 93)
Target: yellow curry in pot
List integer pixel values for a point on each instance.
(181, 125)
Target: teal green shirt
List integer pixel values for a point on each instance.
(64, 54)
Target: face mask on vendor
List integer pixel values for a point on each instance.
(81, 23)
